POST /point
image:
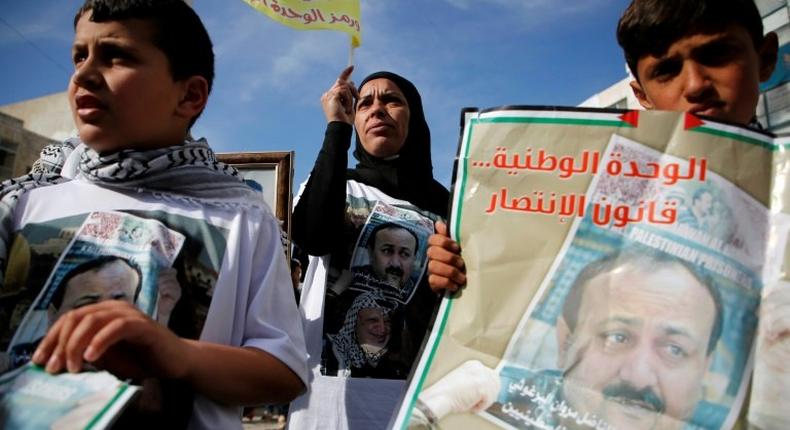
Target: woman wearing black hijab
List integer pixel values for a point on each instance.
(335, 222)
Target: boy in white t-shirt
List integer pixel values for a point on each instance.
(142, 74)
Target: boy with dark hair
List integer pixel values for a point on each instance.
(707, 57)
(704, 57)
(143, 71)
(180, 36)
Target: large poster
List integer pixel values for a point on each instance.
(618, 268)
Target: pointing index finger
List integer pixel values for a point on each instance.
(345, 74)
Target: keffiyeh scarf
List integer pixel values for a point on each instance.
(187, 174)
(345, 343)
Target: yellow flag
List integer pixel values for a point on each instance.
(341, 15)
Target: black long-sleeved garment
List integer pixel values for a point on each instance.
(317, 219)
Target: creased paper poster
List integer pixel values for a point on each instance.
(112, 256)
(619, 266)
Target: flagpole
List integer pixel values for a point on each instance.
(350, 51)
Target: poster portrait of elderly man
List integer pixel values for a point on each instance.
(636, 335)
(644, 354)
(111, 277)
(366, 345)
(103, 278)
(635, 339)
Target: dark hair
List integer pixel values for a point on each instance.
(95, 264)
(648, 260)
(178, 32)
(389, 226)
(649, 27)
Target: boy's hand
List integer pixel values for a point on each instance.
(115, 336)
(338, 101)
(446, 268)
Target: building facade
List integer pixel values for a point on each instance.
(19, 147)
(27, 127)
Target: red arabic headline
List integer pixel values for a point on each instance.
(566, 166)
(575, 205)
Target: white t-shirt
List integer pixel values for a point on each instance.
(343, 395)
(235, 284)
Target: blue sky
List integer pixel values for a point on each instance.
(270, 78)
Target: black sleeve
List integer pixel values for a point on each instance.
(317, 220)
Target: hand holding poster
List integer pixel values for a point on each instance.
(616, 268)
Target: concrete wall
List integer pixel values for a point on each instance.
(49, 116)
(19, 148)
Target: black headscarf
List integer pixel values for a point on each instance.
(409, 176)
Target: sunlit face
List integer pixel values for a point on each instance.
(716, 75)
(393, 255)
(373, 329)
(382, 118)
(115, 280)
(640, 346)
(122, 93)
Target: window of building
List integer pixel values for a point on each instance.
(7, 155)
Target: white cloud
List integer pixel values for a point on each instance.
(260, 55)
(527, 9)
(232, 38)
(305, 53)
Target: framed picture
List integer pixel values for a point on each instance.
(272, 173)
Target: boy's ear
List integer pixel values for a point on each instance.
(768, 53)
(640, 94)
(193, 98)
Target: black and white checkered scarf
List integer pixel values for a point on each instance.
(345, 344)
(187, 174)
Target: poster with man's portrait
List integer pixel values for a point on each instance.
(165, 264)
(112, 256)
(368, 320)
(390, 254)
(643, 325)
(670, 351)
(616, 266)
